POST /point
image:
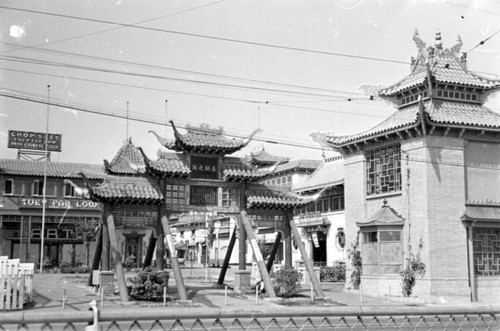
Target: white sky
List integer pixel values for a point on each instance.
(330, 47)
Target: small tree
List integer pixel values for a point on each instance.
(87, 232)
(414, 269)
(354, 255)
(148, 285)
(286, 282)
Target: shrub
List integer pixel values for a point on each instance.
(332, 274)
(414, 269)
(354, 254)
(148, 285)
(286, 282)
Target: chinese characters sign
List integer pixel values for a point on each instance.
(204, 167)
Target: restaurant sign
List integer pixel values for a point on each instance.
(34, 140)
(59, 204)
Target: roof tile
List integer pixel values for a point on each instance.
(54, 169)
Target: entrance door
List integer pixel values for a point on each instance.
(319, 250)
(133, 252)
(51, 255)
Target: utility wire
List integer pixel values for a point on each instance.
(113, 29)
(156, 122)
(483, 41)
(188, 72)
(134, 74)
(133, 117)
(244, 42)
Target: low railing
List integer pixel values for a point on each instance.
(282, 318)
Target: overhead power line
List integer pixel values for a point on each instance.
(133, 117)
(213, 96)
(143, 75)
(116, 28)
(182, 71)
(243, 42)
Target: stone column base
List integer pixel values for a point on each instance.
(242, 281)
(107, 282)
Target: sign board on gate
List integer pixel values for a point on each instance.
(34, 140)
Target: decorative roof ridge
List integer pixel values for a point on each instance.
(482, 203)
(386, 215)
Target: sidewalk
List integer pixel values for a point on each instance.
(202, 291)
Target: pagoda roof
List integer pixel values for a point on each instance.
(203, 140)
(126, 189)
(298, 165)
(385, 216)
(329, 173)
(438, 112)
(127, 161)
(238, 169)
(271, 199)
(168, 165)
(263, 158)
(54, 169)
(443, 65)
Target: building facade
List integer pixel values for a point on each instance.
(424, 182)
(322, 223)
(68, 220)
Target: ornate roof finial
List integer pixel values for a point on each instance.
(458, 46)
(438, 43)
(419, 42)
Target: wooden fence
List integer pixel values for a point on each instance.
(16, 283)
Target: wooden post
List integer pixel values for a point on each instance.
(258, 255)
(160, 241)
(150, 251)
(96, 260)
(173, 259)
(227, 258)
(470, 253)
(242, 256)
(105, 239)
(287, 233)
(307, 261)
(120, 274)
(272, 256)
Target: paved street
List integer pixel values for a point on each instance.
(202, 290)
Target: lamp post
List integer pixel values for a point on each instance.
(44, 189)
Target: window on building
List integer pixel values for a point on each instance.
(486, 248)
(203, 195)
(337, 203)
(340, 238)
(382, 251)
(175, 194)
(69, 190)
(230, 197)
(383, 170)
(38, 187)
(9, 186)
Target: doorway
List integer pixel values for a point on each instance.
(133, 251)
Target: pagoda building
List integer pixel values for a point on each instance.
(194, 201)
(433, 163)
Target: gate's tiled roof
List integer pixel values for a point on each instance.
(127, 161)
(127, 189)
(268, 199)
